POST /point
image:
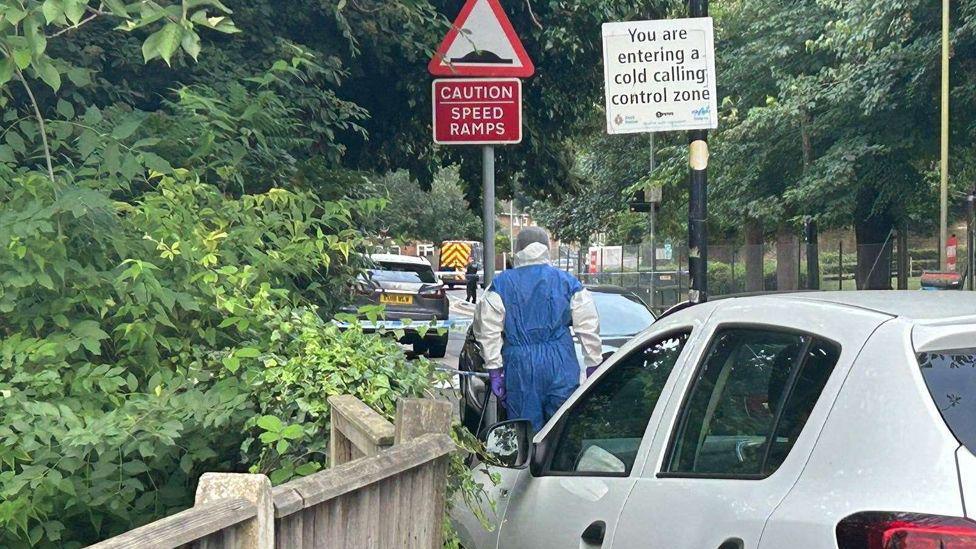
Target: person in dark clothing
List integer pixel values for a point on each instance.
(471, 280)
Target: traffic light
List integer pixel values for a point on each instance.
(639, 203)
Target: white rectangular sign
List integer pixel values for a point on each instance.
(660, 75)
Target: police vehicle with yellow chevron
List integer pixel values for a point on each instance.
(454, 258)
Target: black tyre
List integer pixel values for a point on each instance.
(420, 348)
(436, 348)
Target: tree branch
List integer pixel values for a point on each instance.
(40, 123)
(75, 26)
(528, 4)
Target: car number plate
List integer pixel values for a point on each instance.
(396, 299)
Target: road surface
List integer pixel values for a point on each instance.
(462, 314)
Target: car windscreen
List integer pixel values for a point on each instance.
(951, 379)
(621, 314)
(403, 272)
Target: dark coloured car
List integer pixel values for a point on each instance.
(408, 290)
(622, 316)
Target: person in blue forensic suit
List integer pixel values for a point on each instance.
(523, 325)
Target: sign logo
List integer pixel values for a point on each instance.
(702, 113)
(482, 42)
(619, 120)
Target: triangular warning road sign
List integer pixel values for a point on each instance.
(481, 42)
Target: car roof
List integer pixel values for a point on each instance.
(913, 305)
(396, 258)
(607, 289)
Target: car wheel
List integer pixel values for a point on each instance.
(437, 348)
(420, 348)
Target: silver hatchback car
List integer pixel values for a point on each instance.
(801, 421)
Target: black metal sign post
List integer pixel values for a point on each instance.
(698, 197)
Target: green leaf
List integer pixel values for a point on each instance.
(232, 363)
(88, 141)
(74, 10)
(307, 469)
(22, 57)
(13, 14)
(44, 280)
(134, 467)
(163, 43)
(117, 8)
(282, 446)
(156, 163)
(53, 10)
(292, 432)
(247, 352)
(191, 43)
(16, 142)
(186, 463)
(79, 77)
(6, 70)
(127, 128)
(89, 329)
(280, 475)
(65, 109)
(7, 154)
(112, 161)
(48, 73)
(270, 423)
(191, 4)
(35, 36)
(92, 116)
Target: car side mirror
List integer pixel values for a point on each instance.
(508, 444)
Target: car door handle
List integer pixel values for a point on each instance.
(595, 533)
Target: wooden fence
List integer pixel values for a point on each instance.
(385, 488)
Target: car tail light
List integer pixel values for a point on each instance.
(433, 293)
(873, 530)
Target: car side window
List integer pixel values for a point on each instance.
(749, 402)
(602, 433)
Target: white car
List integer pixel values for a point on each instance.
(802, 421)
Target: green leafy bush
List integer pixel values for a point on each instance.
(145, 343)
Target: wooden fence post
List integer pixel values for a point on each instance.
(416, 417)
(256, 533)
(357, 430)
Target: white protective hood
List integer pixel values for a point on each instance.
(533, 254)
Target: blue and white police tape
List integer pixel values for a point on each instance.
(451, 325)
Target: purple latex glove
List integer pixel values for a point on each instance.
(497, 378)
(590, 371)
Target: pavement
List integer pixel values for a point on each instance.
(462, 313)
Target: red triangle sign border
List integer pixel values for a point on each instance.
(437, 67)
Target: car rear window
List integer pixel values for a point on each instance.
(620, 314)
(403, 272)
(951, 379)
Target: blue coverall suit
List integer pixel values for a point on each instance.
(541, 368)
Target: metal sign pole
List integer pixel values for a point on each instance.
(488, 196)
(944, 144)
(698, 197)
(653, 221)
